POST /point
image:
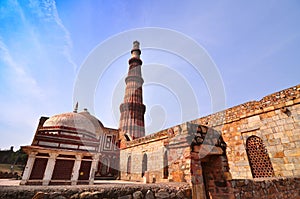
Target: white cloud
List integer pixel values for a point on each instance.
(19, 108)
(21, 80)
(48, 11)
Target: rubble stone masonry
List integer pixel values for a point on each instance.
(275, 119)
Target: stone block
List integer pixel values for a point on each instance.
(273, 142)
(242, 163)
(280, 122)
(278, 161)
(295, 138)
(289, 167)
(138, 195)
(279, 148)
(289, 103)
(177, 176)
(253, 119)
(278, 154)
(286, 160)
(272, 149)
(296, 172)
(289, 133)
(269, 108)
(288, 127)
(288, 145)
(278, 135)
(297, 144)
(125, 197)
(287, 173)
(149, 195)
(289, 120)
(162, 194)
(285, 140)
(296, 118)
(39, 195)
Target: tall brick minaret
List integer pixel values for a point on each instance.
(132, 109)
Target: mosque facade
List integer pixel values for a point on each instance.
(254, 140)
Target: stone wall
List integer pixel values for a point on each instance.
(274, 122)
(150, 147)
(174, 144)
(267, 188)
(179, 154)
(111, 191)
(275, 119)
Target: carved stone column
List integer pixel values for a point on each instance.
(93, 169)
(28, 168)
(75, 172)
(49, 168)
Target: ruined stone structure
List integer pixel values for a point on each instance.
(257, 140)
(218, 155)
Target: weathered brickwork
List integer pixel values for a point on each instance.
(275, 119)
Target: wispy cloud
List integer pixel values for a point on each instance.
(22, 81)
(47, 10)
(18, 106)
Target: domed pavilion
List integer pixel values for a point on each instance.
(71, 148)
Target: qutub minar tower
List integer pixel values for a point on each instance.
(132, 109)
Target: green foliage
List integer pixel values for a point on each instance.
(11, 157)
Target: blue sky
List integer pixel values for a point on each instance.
(43, 44)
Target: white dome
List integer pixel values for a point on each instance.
(80, 121)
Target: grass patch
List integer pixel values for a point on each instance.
(7, 168)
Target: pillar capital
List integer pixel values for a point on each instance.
(53, 155)
(78, 156)
(32, 154)
(96, 157)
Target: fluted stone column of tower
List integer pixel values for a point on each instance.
(132, 109)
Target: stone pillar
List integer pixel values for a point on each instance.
(49, 168)
(198, 188)
(93, 169)
(28, 168)
(75, 172)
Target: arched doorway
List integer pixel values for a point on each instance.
(104, 166)
(144, 164)
(129, 165)
(166, 166)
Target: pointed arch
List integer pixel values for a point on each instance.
(104, 168)
(259, 159)
(129, 165)
(144, 164)
(166, 165)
